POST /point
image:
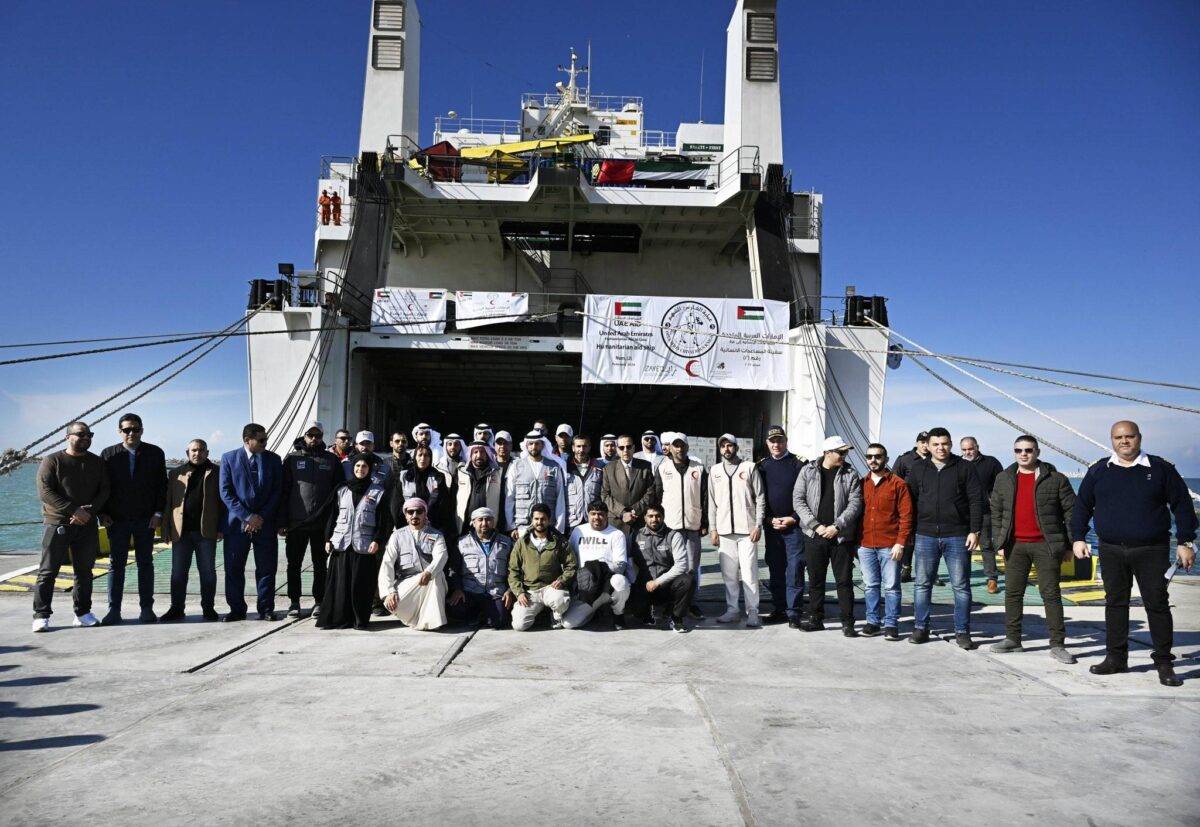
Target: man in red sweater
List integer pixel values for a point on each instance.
(1031, 507)
(887, 527)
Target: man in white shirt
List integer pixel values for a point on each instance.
(597, 541)
(736, 510)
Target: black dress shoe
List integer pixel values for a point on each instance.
(268, 616)
(380, 612)
(233, 617)
(773, 618)
(171, 615)
(812, 625)
(848, 630)
(1108, 667)
(1166, 674)
(794, 623)
(919, 636)
(210, 615)
(294, 610)
(695, 612)
(111, 619)
(890, 633)
(963, 639)
(870, 630)
(147, 616)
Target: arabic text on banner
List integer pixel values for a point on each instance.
(475, 308)
(419, 310)
(661, 340)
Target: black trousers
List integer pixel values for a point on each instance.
(819, 554)
(675, 594)
(81, 542)
(1119, 567)
(480, 608)
(296, 542)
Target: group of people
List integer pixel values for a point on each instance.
(492, 530)
(330, 205)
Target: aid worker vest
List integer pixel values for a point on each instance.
(681, 494)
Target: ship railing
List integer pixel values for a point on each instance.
(658, 139)
(346, 217)
(446, 127)
(337, 167)
(602, 103)
(744, 159)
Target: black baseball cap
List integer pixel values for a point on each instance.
(776, 431)
(923, 436)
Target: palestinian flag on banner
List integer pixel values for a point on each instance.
(751, 313)
(628, 308)
(435, 294)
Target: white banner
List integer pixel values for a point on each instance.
(475, 309)
(396, 308)
(662, 340)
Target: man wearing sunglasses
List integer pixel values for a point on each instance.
(137, 479)
(886, 530)
(251, 485)
(1030, 510)
(73, 487)
(627, 487)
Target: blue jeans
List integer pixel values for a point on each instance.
(237, 546)
(181, 564)
(785, 562)
(878, 567)
(927, 556)
(140, 535)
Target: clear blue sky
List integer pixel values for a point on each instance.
(1021, 179)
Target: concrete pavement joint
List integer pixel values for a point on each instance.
(735, 780)
(459, 644)
(241, 646)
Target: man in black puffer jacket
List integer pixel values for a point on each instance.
(310, 476)
(948, 503)
(1031, 508)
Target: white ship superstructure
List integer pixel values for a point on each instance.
(576, 196)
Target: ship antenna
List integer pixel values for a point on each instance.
(701, 86)
(589, 71)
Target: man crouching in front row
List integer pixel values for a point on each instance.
(541, 569)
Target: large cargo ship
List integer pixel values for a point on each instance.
(572, 204)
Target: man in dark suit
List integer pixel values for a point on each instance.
(627, 487)
(137, 481)
(251, 482)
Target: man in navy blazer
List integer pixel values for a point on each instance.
(251, 481)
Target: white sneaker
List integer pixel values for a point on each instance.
(41, 624)
(88, 619)
(730, 616)
(752, 621)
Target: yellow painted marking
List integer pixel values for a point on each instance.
(1092, 595)
(6, 587)
(27, 579)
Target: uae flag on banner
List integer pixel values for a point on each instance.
(628, 308)
(751, 313)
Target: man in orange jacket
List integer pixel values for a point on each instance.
(886, 528)
(335, 203)
(325, 202)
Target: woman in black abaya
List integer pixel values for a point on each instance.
(359, 524)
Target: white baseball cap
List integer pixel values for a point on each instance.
(364, 436)
(835, 443)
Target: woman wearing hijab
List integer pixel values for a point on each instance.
(421, 480)
(358, 527)
(412, 578)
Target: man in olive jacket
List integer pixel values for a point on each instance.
(1031, 507)
(541, 568)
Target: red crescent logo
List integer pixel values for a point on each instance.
(687, 368)
(741, 475)
(695, 475)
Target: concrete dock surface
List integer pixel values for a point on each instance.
(253, 722)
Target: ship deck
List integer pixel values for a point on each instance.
(245, 722)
